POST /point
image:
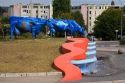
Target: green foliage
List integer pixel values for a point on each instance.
(124, 9)
(6, 26)
(60, 6)
(5, 20)
(65, 16)
(107, 23)
(27, 35)
(122, 41)
(77, 16)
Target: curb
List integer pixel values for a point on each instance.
(29, 74)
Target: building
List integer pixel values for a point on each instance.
(90, 12)
(31, 10)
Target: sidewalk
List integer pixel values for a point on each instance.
(110, 46)
(47, 79)
(115, 49)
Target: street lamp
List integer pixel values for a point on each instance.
(116, 33)
(121, 21)
(121, 17)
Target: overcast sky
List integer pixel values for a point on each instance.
(73, 2)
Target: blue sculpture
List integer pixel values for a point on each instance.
(21, 25)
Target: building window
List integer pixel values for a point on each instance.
(90, 12)
(27, 11)
(35, 6)
(105, 7)
(41, 6)
(44, 11)
(46, 7)
(36, 16)
(24, 6)
(99, 7)
(46, 17)
(24, 10)
(36, 11)
(90, 7)
(90, 23)
(89, 18)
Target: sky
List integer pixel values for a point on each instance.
(73, 2)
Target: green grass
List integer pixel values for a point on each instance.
(29, 55)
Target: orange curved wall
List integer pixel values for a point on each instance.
(75, 49)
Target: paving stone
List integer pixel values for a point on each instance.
(54, 73)
(13, 74)
(119, 81)
(36, 74)
(2, 75)
(23, 74)
(102, 82)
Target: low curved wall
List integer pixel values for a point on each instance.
(75, 49)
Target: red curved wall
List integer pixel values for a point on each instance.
(75, 49)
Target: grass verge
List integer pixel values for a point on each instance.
(29, 55)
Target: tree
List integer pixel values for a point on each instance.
(60, 6)
(124, 9)
(61, 10)
(1, 11)
(107, 23)
(4, 26)
(77, 16)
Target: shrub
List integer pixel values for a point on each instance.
(27, 35)
(122, 41)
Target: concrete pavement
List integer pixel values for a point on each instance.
(48, 79)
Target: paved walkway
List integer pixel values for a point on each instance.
(111, 48)
(47, 79)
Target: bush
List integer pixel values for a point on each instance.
(27, 35)
(122, 41)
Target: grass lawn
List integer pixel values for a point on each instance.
(29, 55)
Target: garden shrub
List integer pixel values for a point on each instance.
(122, 41)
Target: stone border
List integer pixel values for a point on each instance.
(29, 74)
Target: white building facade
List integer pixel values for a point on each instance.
(90, 12)
(31, 10)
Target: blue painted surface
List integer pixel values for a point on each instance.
(19, 25)
(87, 65)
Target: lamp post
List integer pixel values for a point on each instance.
(116, 33)
(121, 17)
(121, 21)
